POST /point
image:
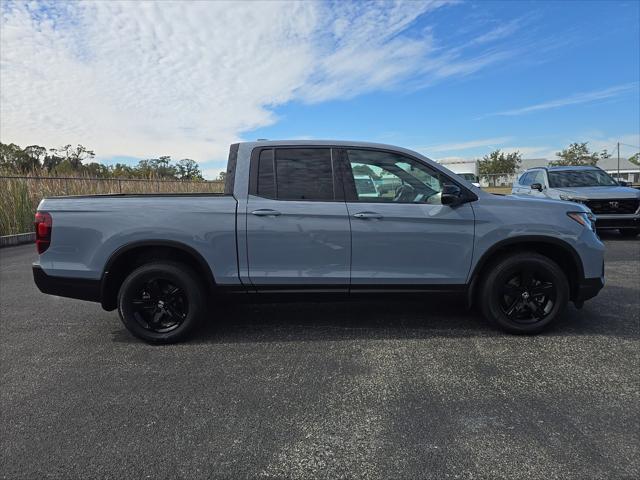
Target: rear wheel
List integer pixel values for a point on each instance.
(524, 293)
(629, 232)
(161, 302)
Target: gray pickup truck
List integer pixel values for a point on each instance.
(293, 223)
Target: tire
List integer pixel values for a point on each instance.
(162, 302)
(524, 293)
(629, 232)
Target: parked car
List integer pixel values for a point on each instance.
(471, 177)
(615, 206)
(365, 186)
(292, 224)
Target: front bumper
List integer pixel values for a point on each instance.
(80, 288)
(618, 221)
(588, 288)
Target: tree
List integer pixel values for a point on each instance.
(187, 169)
(74, 156)
(156, 168)
(51, 161)
(499, 163)
(13, 158)
(36, 155)
(579, 154)
(635, 159)
(121, 170)
(605, 154)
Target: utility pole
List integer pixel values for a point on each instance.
(618, 160)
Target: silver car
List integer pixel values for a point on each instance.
(615, 205)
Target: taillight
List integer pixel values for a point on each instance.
(43, 224)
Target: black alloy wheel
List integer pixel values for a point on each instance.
(528, 296)
(160, 306)
(162, 302)
(523, 292)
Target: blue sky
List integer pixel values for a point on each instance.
(449, 79)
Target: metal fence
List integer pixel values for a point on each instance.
(499, 180)
(20, 195)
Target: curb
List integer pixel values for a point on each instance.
(19, 239)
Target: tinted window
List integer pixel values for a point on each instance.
(389, 177)
(230, 177)
(266, 180)
(304, 174)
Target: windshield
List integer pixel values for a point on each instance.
(580, 178)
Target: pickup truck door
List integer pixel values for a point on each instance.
(404, 236)
(297, 221)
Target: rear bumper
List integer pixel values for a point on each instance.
(80, 288)
(618, 221)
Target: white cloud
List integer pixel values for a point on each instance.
(576, 99)
(186, 79)
(629, 143)
(466, 145)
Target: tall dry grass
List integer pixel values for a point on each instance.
(19, 196)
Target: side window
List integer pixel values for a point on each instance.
(304, 174)
(388, 177)
(526, 178)
(538, 178)
(266, 179)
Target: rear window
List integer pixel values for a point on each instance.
(266, 178)
(304, 174)
(230, 176)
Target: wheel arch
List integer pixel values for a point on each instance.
(555, 249)
(132, 255)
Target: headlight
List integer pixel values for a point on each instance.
(569, 198)
(585, 219)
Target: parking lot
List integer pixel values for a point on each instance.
(352, 390)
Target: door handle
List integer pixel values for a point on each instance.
(366, 215)
(266, 212)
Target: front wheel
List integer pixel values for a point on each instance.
(524, 293)
(161, 302)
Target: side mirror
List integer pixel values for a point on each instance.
(451, 194)
(622, 183)
(536, 186)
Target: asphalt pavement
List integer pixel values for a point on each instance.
(341, 390)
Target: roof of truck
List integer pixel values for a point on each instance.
(565, 168)
(340, 143)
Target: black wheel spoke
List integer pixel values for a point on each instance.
(160, 306)
(175, 315)
(527, 296)
(157, 317)
(536, 309)
(172, 294)
(144, 303)
(542, 289)
(512, 308)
